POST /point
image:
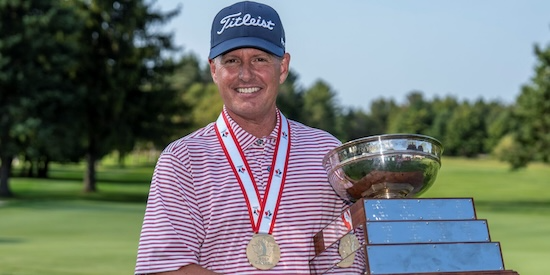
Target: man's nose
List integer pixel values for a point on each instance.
(246, 72)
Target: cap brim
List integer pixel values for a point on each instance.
(245, 42)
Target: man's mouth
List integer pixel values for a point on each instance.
(248, 90)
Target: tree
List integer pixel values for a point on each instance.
(189, 71)
(381, 111)
(123, 76)
(320, 108)
(414, 117)
(37, 72)
(206, 102)
(356, 124)
(531, 115)
(291, 98)
(443, 110)
(498, 124)
(465, 133)
(198, 102)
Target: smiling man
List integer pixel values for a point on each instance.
(246, 193)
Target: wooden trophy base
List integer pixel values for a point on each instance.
(410, 237)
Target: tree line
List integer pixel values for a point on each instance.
(82, 79)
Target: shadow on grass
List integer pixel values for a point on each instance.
(107, 196)
(114, 183)
(33, 189)
(127, 175)
(514, 206)
(103, 180)
(10, 240)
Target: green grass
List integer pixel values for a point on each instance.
(516, 205)
(65, 182)
(52, 228)
(69, 237)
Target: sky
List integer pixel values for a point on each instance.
(371, 49)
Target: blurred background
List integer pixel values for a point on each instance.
(468, 49)
(91, 91)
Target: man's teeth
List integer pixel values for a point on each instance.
(248, 90)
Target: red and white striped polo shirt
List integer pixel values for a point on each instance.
(196, 212)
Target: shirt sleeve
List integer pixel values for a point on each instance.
(172, 230)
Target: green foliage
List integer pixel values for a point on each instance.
(38, 45)
(499, 125)
(465, 131)
(357, 124)
(195, 89)
(381, 110)
(531, 114)
(126, 95)
(443, 110)
(206, 103)
(414, 117)
(320, 109)
(291, 98)
(189, 71)
(82, 79)
(509, 150)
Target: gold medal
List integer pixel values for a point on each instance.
(263, 252)
(347, 247)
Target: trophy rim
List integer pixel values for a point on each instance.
(344, 183)
(384, 137)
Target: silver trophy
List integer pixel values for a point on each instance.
(385, 166)
(386, 229)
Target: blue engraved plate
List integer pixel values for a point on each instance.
(393, 232)
(419, 258)
(418, 209)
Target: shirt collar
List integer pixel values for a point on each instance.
(246, 139)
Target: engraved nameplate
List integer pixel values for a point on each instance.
(393, 232)
(418, 209)
(418, 258)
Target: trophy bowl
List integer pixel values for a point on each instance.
(384, 166)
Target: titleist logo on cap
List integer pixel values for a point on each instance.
(247, 24)
(235, 20)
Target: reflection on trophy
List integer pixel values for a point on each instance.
(387, 230)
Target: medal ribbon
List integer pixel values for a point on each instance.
(346, 218)
(262, 212)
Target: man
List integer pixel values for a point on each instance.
(244, 194)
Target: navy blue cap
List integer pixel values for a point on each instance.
(247, 25)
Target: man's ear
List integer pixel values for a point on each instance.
(285, 67)
(212, 64)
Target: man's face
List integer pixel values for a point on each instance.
(248, 80)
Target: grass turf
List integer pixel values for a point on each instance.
(516, 205)
(52, 228)
(69, 237)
